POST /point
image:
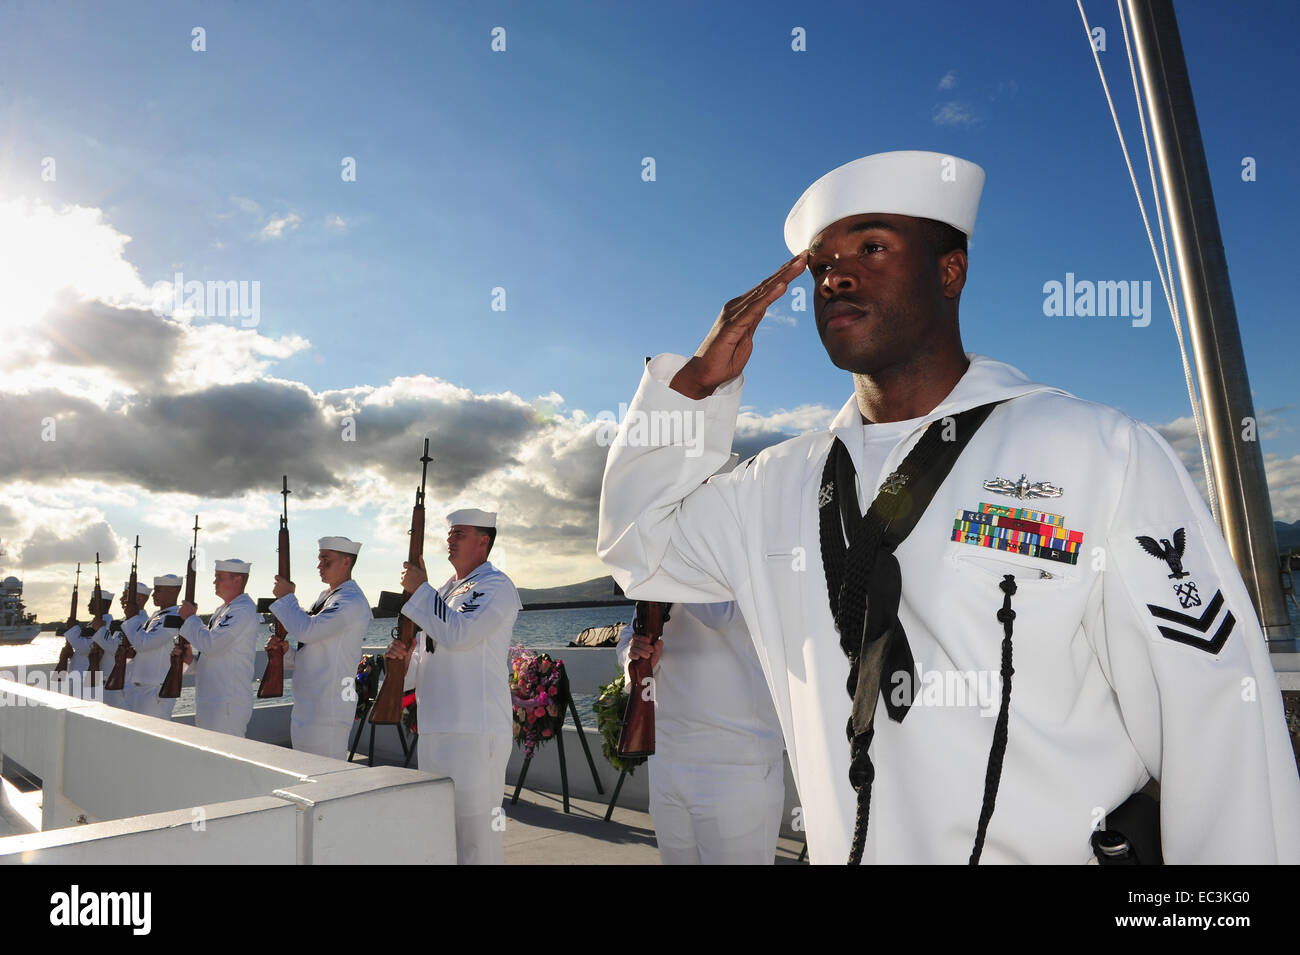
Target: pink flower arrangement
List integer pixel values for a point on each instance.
(535, 692)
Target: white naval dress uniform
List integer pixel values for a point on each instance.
(1121, 674)
(463, 698)
(153, 642)
(223, 675)
(81, 639)
(330, 638)
(110, 642)
(717, 778)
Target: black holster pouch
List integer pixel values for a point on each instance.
(1132, 834)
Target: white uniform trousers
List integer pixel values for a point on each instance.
(223, 717)
(143, 698)
(321, 738)
(716, 814)
(476, 763)
(115, 698)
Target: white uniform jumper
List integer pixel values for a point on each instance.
(153, 641)
(330, 638)
(1127, 666)
(223, 675)
(459, 668)
(81, 639)
(110, 641)
(717, 778)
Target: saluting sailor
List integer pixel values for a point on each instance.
(82, 638)
(459, 668)
(223, 671)
(109, 636)
(1122, 672)
(153, 641)
(329, 640)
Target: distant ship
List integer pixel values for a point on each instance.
(16, 625)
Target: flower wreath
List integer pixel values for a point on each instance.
(536, 692)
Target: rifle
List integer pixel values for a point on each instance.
(96, 651)
(638, 736)
(273, 679)
(65, 655)
(388, 705)
(171, 685)
(117, 679)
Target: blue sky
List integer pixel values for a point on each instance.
(521, 170)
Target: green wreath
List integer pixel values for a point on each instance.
(610, 708)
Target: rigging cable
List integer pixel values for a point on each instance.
(1166, 284)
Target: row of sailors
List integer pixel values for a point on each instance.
(224, 650)
(716, 782)
(463, 693)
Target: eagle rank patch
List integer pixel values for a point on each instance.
(1198, 621)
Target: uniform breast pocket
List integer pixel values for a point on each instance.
(1027, 571)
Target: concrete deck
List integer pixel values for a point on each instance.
(538, 832)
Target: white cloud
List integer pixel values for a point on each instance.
(280, 225)
(955, 114)
(949, 80)
(336, 224)
(773, 317)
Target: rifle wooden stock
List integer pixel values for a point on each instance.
(171, 684)
(117, 679)
(272, 684)
(387, 708)
(638, 736)
(96, 652)
(65, 655)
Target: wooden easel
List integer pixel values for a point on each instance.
(567, 698)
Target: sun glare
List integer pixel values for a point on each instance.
(46, 252)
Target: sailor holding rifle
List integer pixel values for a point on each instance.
(459, 666)
(109, 637)
(330, 637)
(1099, 581)
(717, 776)
(223, 674)
(81, 639)
(153, 641)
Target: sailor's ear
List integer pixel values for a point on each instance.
(952, 272)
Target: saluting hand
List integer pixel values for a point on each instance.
(730, 342)
(413, 575)
(187, 610)
(282, 587)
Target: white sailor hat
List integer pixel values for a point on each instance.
(106, 595)
(473, 517)
(141, 587)
(167, 580)
(906, 183)
(340, 544)
(234, 566)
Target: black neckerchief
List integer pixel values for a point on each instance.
(864, 580)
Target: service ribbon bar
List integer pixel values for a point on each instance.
(1024, 514)
(1019, 531)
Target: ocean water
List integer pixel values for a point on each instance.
(549, 629)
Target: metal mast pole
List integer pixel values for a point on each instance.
(1235, 455)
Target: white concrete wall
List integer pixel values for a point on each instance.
(119, 787)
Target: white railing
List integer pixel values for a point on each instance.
(120, 787)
